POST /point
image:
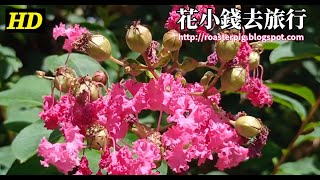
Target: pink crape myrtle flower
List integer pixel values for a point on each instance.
(84, 167)
(231, 156)
(63, 155)
(139, 161)
(72, 33)
(82, 115)
(55, 111)
(174, 17)
(171, 23)
(257, 92)
(243, 53)
(197, 132)
(242, 56)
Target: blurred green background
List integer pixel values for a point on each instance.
(291, 70)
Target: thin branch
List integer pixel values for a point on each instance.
(117, 61)
(305, 121)
(215, 80)
(150, 67)
(159, 121)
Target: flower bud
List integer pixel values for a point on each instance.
(254, 58)
(179, 76)
(171, 40)
(189, 64)
(97, 137)
(248, 126)
(100, 76)
(227, 50)
(233, 79)
(206, 78)
(138, 37)
(164, 58)
(99, 48)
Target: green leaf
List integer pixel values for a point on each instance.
(311, 126)
(27, 92)
(157, 71)
(112, 73)
(20, 117)
(149, 119)
(7, 158)
(26, 143)
(290, 103)
(299, 90)
(56, 137)
(311, 67)
(9, 63)
(163, 169)
(294, 51)
(270, 45)
(81, 63)
(9, 66)
(304, 166)
(308, 137)
(32, 167)
(7, 51)
(133, 55)
(14, 63)
(130, 138)
(93, 157)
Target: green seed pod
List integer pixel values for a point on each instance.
(233, 79)
(64, 78)
(227, 50)
(254, 58)
(82, 91)
(63, 83)
(248, 126)
(99, 48)
(189, 64)
(171, 40)
(138, 38)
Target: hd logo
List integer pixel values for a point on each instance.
(25, 20)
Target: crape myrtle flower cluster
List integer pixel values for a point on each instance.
(197, 127)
